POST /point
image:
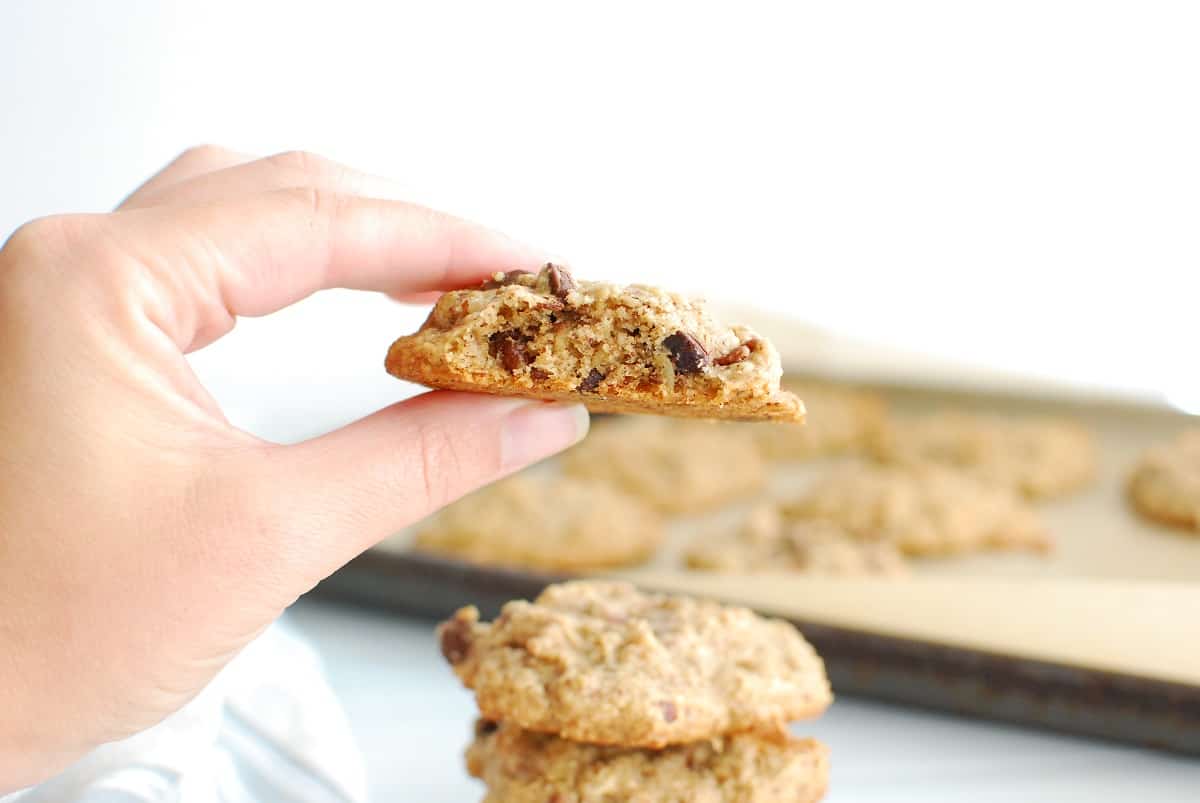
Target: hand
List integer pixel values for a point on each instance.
(143, 540)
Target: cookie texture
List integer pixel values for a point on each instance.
(520, 766)
(922, 510)
(766, 542)
(1165, 483)
(838, 420)
(616, 349)
(547, 522)
(678, 467)
(608, 664)
(1037, 457)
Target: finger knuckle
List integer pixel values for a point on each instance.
(44, 236)
(320, 205)
(303, 161)
(203, 154)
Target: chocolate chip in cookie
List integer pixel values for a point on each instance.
(509, 346)
(687, 353)
(591, 381)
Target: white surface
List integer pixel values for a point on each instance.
(413, 720)
(1011, 184)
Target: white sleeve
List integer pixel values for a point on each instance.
(268, 729)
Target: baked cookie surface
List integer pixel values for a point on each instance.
(521, 766)
(921, 510)
(1037, 457)
(616, 349)
(605, 663)
(678, 467)
(765, 542)
(545, 522)
(1165, 483)
(838, 420)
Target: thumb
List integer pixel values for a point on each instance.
(354, 487)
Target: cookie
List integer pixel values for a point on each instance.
(545, 522)
(1037, 457)
(678, 467)
(1165, 484)
(616, 349)
(767, 543)
(837, 420)
(922, 510)
(608, 664)
(520, 766)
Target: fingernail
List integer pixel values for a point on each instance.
(537, 430)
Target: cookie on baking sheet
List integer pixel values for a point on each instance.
(606, 663)
(616, 349)
(1037, 457)
(838, 419)
(547, 522)
(765, 542)
(678, 467)
(520, 766)
(921, 510)
(1165, 483)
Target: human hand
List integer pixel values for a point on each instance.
(144, 540)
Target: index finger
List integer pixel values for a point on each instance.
(262, 253)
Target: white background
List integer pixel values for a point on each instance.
(1013, 184)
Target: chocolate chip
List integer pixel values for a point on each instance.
(485, 726)
(561, 281)
(669, 712)
(591, 381)
(687, 353)
(503, 279)
(454, 637)
(509, 346)
(538, 374)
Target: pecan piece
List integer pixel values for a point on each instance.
(687, 353)
(740, 353)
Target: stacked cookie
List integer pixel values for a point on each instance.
(596, 692)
